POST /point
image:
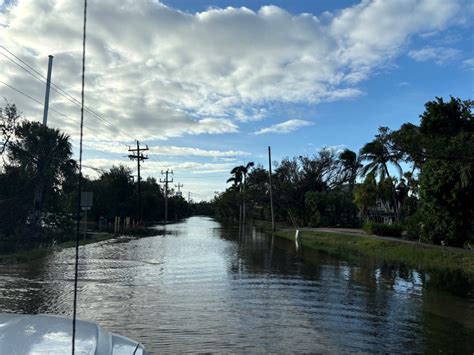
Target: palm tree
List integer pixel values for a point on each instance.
(44, 155)
(380, 154)
(239, 179)
(350, 166)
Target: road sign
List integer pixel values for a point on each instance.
(86, 199)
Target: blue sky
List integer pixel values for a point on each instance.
(210, 84)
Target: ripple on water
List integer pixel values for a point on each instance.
(198, 287)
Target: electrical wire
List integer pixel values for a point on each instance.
(50, 108)
(42, 78)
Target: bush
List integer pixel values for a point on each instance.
(412, 226)
(389, 230)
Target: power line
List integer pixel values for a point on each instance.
(59, 113)
(40, 103)
(58, 89)
(21, 92)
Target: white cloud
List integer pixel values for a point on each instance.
(166, 150)
(154, 168)
(285, 127)
(373, 31)
(156, 72)
(189, 151)
(469, 63)
(440, 55)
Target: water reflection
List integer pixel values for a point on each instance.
(198, 286)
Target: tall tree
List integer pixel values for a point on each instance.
(114, 193)
(350, 166)
(239, 178)
(9, 120)
(447, 175)
(365, 195)
(380, 154)
(442, 149)
(44, 156)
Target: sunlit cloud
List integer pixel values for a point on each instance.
(285, 127)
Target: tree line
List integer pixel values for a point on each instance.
(418, 178)
(416, 182)
(39, 186)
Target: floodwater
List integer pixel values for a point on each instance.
(198, 287)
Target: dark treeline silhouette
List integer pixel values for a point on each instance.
(433, 200)
(38, 187)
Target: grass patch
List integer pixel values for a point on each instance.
(356, 248)
(25, 255)
(91, 238)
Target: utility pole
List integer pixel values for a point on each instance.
(166, 181)
(179, 193)
(270, 176)
(189, 196)
(48, 86)
(139, 157)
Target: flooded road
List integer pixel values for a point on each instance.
(198, 287)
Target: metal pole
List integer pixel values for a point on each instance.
(85, 224)
(139, 190)
(48, 86)
(271, 195)
(166, 197)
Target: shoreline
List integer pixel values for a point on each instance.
(448, 267)
(452, 269)
(414, 255)
(23, 256)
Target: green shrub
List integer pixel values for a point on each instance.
(389, 230)
(412, 226)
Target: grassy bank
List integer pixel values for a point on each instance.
(91, 238)
(40, 252)
(357, 248)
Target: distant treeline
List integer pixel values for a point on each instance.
(39, 187)
(432, 200)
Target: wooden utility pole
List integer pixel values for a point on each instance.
(139, 157)
(166, 181)
(179, 193)
(270, 177)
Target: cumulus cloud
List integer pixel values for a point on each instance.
(285, 127)
(166, 150)
(95, 166)
(469, 63)
(155, 73)
(440, 55)
(158, 72)
(190, 151)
